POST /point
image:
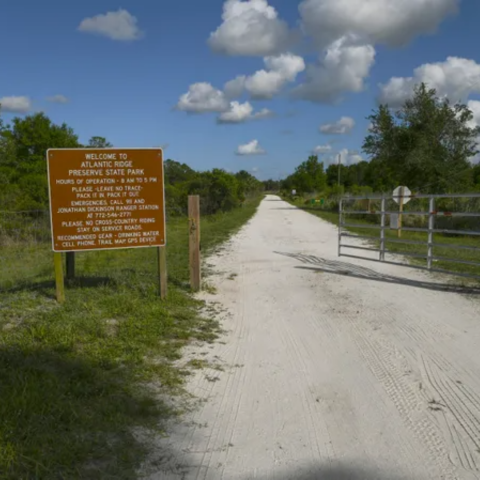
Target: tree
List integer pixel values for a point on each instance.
(309, 177)
(176, 172)
(99, 142)
(22, 158)
(426, 145)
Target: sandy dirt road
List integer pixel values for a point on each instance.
(334, 369)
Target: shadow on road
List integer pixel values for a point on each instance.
(332, 472)
(364, 273)
(314, 472)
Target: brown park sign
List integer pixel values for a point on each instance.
(106, 198)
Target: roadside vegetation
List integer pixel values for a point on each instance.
(78, 380)
(84, 384)
(428, 145)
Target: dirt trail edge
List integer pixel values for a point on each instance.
(333, 369)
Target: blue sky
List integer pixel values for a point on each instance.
(124, 75)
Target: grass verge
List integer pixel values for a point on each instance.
(77, 380)
(396, 248)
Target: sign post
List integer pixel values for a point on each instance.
(59, 279)
(104, 199)
(401, 195)
(70, 265)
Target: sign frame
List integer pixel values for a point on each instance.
(123, 247)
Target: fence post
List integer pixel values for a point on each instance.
(70, 265)
(382, 230)
(340, 231)
(59, 281)
(431, 226)
(194, 241)
(162, 272)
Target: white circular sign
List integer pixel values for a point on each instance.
(406, 195)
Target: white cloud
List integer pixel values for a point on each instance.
(120, 25)
(251, 148)
(455, 78)
(474, 106)
(15, 104)
(344, 67)
(265, 84)
(282, 69)
(203, 98)
(349, 157)
(341, 127)
(234, 88)
(58, 99)
(390, 22)
(242, 112)
(319, 149)
(250, 27)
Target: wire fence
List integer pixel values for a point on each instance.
(26, 257)
(25, 253)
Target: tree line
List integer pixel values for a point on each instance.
(23, 172)
(428, 144)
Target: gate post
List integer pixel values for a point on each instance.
(382, 231)
(340, 220)
(431, 226)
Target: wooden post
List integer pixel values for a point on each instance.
(162, 272)
(70, 265)
(59, 281)
(400, 211)
(194, 243)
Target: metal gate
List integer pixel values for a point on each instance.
(450, 225)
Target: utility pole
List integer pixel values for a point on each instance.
(339, 167)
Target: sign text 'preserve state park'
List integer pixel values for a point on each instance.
(106, 198)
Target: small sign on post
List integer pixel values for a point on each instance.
(401, 195)
(104, 199)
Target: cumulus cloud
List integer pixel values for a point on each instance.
(251, 148)
(344, 67)
(242, 112)
(202, 98)
(455, 78)
(266, 83)
(349, 157)
(15, 104)
(251, 28)
(341, 127)
(57, 99)
(119, 25)
(390, 22)
(319, 149)
(235, 88)
(474, 106)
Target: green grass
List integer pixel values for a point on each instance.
(78, 379)
(450, 252)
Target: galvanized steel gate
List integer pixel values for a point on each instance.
(379, 207)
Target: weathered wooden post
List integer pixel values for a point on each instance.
(59, 280)
(162, 272)
(194, 241)
(400, 212)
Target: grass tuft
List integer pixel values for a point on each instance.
(78, 379)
